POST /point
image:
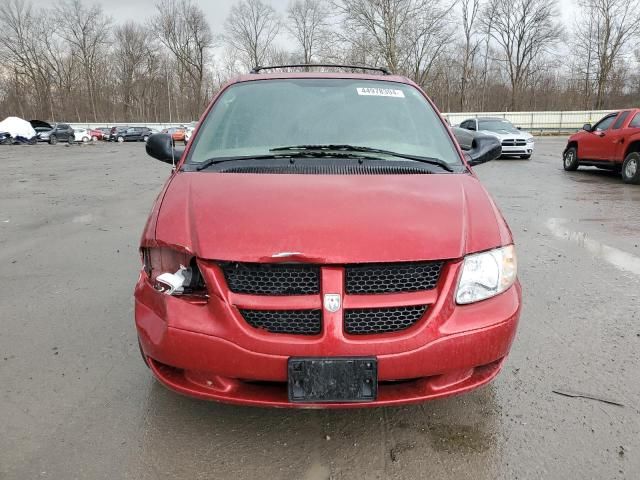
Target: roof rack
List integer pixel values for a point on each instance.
(383, 70)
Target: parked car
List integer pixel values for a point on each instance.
(40, 127)
(133, 134)
(116, 132)
(514, 141)
(613, 143)
(106, 131)
(97, 133)
(40, 131)
(188, 131)
(325, 243)
(60, 132)
(177, 133)
(82, 135)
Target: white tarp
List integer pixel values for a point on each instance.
(17, 127)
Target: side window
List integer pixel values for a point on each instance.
(621, 118)
(635, 122)
(605, 123)
(472, 124)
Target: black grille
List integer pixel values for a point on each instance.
(381, 320)
(329, 170)
(300, 322)
(510, 142)
(392, 277)
(268, 279)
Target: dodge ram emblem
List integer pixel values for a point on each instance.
(332, 302)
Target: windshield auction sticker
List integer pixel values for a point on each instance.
(380, 92)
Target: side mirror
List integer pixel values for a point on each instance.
(483, 149)
(160, 146)
(587, 127)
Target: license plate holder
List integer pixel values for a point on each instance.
(332, 379)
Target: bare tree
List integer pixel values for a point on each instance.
(385, 22)
(86, 29)
(487, 31)
(250, 30)
(22, 38)
(181, 27)
(132, 51)
(523, 30)
(470, 46)
(425, 39)
(602, 34)
(309, 26)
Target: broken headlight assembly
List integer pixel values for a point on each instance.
(486, 274)
(173, 272)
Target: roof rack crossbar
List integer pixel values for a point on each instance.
(384, 70)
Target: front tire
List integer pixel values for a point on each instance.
(570, 160)
(631, 168)
(120, 139)
(53, 140)
(94, 138)
(71, 139)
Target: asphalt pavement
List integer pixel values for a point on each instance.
(76, 401)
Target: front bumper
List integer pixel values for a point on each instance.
(518, 149)
(206, 350)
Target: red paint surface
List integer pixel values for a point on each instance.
(610, 145)
(207, 350)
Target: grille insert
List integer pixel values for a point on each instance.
(299, 322)
(272, 279)
(510, 142)
(381, 320)
(392, 278)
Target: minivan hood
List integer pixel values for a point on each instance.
(329, 218)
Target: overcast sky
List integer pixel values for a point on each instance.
(217, 11)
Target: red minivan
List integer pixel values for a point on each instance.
(323, 242)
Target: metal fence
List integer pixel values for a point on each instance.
(538, 121)
(534, 121)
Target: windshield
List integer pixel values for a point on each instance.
(497, 126)
(251, 118)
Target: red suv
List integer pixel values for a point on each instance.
(613, 143)
(323, 241)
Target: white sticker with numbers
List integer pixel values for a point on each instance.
(380, 92)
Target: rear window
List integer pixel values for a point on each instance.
(621, 118)
(635, 122)
(252, 117)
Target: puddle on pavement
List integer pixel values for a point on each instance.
(618, 258)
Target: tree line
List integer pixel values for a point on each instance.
(69, 60)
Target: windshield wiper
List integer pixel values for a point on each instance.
(293, 154)
(354, 148)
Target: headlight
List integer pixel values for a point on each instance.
(173, 272)
(486, 274)
(530, 140)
